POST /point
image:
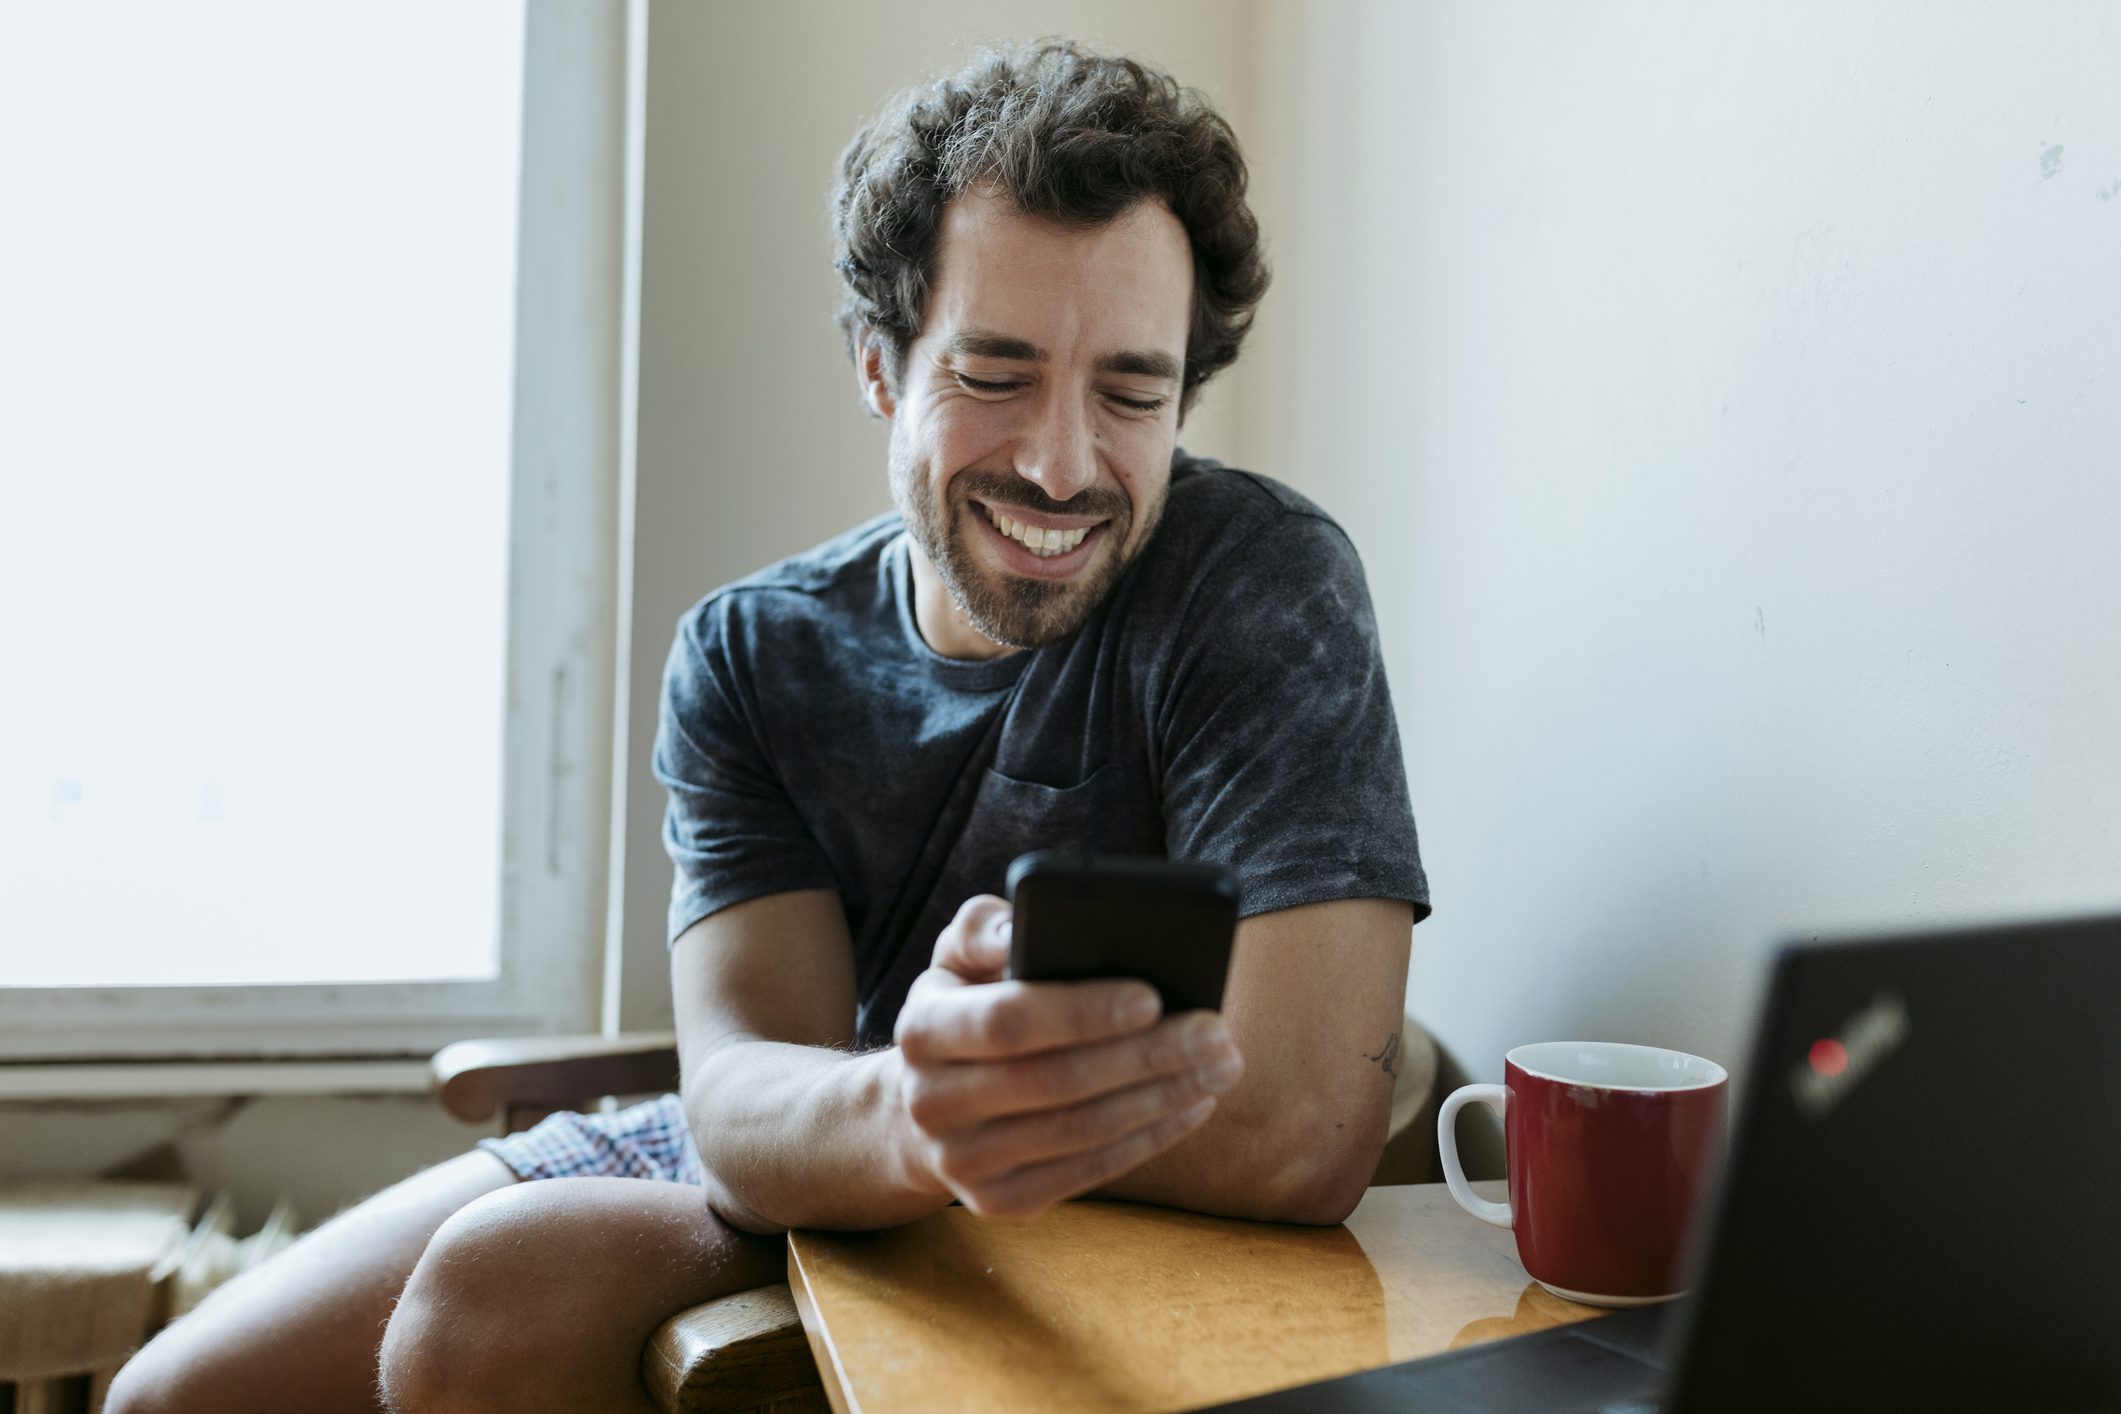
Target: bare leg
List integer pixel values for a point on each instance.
(543, 1296)
(301, 1332)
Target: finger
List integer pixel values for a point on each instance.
(975, 945)
(950, 1097)
(1021, 1141)
(1028, 1191)
(1004, 1020)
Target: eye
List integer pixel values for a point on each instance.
(1138, 404)
(982, 385)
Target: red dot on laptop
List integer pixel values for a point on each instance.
(1829, 1057)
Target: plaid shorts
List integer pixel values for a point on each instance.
(648, 1140)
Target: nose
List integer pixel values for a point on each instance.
(1058, 451)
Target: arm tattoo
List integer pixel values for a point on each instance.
(1388, 1058)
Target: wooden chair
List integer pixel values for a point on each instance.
(748, 1351)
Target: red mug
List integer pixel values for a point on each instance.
(1610, 1148)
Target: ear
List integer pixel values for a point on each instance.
(869, 374)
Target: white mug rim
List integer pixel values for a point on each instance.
(1717, 1075)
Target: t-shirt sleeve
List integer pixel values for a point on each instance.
(729, 826)
(1280, 748)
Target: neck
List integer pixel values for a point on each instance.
(942, 623)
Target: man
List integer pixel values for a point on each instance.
(1071, 634)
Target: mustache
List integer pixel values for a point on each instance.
(999, 488)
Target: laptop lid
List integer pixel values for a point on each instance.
(1922, 1207)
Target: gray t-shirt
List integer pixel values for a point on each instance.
(1226, 702)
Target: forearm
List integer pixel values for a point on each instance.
(805, 1136)
(1272, 1162)
(1314, 1003)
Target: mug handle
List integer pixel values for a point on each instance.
(1497, 1098)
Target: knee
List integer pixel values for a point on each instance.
(427, 1365)
(160, 1379)
(461, 1335)
(136, 1389)
(532, 1294)
(435, 1353)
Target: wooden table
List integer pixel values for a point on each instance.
(1115, 1306)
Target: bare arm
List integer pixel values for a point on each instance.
(764, 994)
(1314, 1003)
(1007, 1096)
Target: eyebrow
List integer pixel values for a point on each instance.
(980, 343)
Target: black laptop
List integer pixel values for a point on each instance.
(1921, 1213)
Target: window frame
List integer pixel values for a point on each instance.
(563, 618)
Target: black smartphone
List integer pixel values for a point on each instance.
(1083, 917)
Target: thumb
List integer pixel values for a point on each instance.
(975, 946)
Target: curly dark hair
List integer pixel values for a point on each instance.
(1069, 135)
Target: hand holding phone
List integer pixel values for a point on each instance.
(1083, 917)
(1017, 1097)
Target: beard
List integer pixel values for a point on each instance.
(1015, 610)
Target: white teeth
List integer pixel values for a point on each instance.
(1041, 542)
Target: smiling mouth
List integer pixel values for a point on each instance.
(1044, 542)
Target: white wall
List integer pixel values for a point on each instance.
(1726, 401)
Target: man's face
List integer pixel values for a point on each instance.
(1031, 438)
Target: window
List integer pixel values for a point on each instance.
(307, 512)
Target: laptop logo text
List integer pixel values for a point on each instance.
(1835, 1066)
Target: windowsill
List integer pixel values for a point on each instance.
(145, 1080)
